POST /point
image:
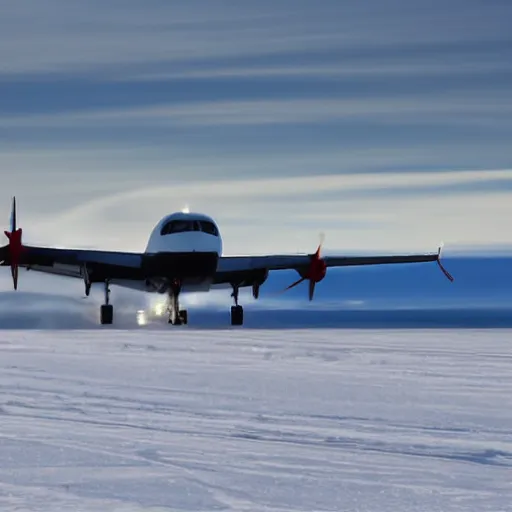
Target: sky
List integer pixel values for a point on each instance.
(384, 124)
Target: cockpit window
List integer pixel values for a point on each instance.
(208, 227)
(184, 225)
(178, 226)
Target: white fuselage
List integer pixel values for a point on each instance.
(185, 232)
(190, 241)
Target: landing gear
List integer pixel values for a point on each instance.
(237, 315)
(177, 316)
(107, 310)
(237, 311)
(107, 314)
(87, 280)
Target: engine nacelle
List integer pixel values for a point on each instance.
(254, 279)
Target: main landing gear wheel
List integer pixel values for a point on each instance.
(237, 311)
(177, 316)
(107, 314)
(181, 319)
(237, 315)
(107, 310)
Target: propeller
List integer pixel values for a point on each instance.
(315, 272)
(15, 246)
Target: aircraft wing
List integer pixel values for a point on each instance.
(312, 267)
(80, 263)
(296, 262)
(73, 262)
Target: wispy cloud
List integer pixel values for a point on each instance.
(385, 124)
(420, 108)
(100, 33)
(358, 212)
(334, 70)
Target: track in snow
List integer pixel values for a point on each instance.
(256, 420)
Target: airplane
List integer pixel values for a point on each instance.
(183, 254)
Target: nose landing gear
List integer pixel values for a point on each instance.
(177, 316)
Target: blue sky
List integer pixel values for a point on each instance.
(385, 124)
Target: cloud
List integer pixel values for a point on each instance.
(358, 212)
(334, 70)
(73, 36)
(420, 108)
(281, 119)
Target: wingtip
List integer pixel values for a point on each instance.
(445, 272)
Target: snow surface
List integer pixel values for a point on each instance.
(250, 420)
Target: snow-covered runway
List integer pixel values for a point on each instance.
(184, 419)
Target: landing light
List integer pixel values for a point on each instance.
(159, 309)
(141, 317)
